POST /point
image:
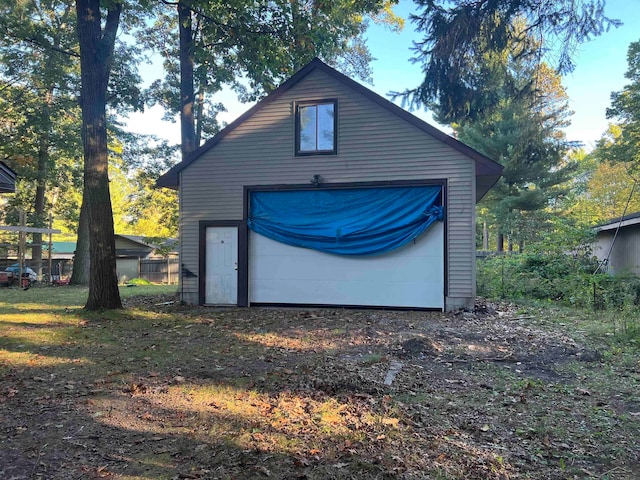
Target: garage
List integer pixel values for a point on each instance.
(316, 139)
(381, 247)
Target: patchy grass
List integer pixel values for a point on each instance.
(162, 391)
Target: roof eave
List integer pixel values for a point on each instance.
(622, 224)
(6, 173)
(168, 179)
(484, 183)
(624, 221)
(7, 188)
(484, 165)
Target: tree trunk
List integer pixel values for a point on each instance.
(199, 114)
(81, 261)
(187, 90)
(96, 57)
(43, 172)
(187, 95)
(485, 236)
(500, 244)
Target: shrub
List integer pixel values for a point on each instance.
(554, 276)
(617, 292)
(139, 281)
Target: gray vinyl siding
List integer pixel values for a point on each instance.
(625, 255)
(373, 145)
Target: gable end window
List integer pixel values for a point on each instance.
(316, 126)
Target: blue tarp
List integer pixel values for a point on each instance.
(363, 221)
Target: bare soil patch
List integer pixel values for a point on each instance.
(162, 391)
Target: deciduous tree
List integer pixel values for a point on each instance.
(97, 44)
(252, 47)
(39, 74)
(606, 188)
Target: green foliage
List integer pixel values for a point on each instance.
(252, 47)
(545, 271)
(561, 235)
(525, 136)
(617, 292)
(139, 281)
(458, 34)
(515, 115)
(625, 105)
(537, 276)
(152, 212)
(38, 111)
(568, 279)
(40, 118)
(611, 192)
(600, 189)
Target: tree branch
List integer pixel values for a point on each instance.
(212, 20)
(37, 43)
(108, 40)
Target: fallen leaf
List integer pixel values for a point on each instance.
(265, 471)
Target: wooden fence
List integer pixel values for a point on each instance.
(161, 270)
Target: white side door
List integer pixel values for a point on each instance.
(221, 266)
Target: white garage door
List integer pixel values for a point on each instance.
(410, 276)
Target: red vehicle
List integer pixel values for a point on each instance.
(10, 276)
(7, 279)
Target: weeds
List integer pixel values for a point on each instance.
(566, 280)
(162, 391)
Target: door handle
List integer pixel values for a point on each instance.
(235, 266)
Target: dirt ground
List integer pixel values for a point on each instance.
(162, 391)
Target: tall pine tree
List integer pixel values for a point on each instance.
(523, 132)
(458, 34)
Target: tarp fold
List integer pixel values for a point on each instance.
(362, 221)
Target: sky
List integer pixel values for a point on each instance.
(600, 67)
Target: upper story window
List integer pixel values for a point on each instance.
(316, 124)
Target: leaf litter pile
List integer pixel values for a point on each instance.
(161, 391)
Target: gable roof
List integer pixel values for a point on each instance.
(627, 220)
(7, 179)
(487, 171)
(137, 241)
(62, 247)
